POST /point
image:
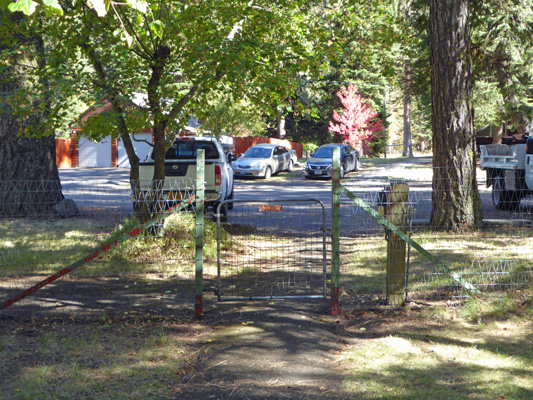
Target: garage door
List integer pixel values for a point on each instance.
(94, 155)
(141, 149)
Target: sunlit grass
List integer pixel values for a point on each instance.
(31, 246)
(473, 254)
(449, 358)
(45, 247)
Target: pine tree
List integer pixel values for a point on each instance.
(456, 199)
(29, 177)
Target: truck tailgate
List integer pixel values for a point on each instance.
(179, 173)
(500, 156)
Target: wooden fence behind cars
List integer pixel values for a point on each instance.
(244, 143)
(67, 153)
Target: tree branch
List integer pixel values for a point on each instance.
(137, 39)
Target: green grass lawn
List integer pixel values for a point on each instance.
(480, 350)
(435, 353)
(136, 356)
(484, 258)
(429, 352)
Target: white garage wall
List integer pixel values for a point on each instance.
(141, 149)
(94, 155)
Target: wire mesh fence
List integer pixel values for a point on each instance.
(31, 198)
(494, 257)
(273, 249)
(154, 267)
(264, 252)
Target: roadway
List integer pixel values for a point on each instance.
(108, 188)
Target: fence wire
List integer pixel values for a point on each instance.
(157, 270)
(273, 249)
(31, 198)
(153, 269)
(496, 257)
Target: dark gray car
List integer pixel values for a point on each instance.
(321, 162)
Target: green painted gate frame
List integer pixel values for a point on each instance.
(337, 190)
(200, 227)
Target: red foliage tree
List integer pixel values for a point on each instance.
(358, 123)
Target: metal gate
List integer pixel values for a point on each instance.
(271, 250)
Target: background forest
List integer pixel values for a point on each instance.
(286, 86)
(267, 68)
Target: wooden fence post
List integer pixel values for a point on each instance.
(396, 210)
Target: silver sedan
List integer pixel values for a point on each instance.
(263, 160)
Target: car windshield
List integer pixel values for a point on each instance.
(258, 152)
(183, 149)
(324, 152)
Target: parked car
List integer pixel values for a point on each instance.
(321, 162)
(263, 160)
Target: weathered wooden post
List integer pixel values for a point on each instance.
(199, 280)
(394, 207)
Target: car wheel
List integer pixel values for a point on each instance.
(268, 173)
(343, 171)
(357, 164)
(223, 212)
(289, 168)
(504, 199)
(230, 197)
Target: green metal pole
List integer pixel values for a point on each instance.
(199, 280)
(335, 231)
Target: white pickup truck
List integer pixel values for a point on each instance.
(509, 170)
(180, 169)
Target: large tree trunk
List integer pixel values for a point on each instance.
(456, 201)
(498, 134)
(29, 179)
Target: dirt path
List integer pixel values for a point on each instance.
(266, 350)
